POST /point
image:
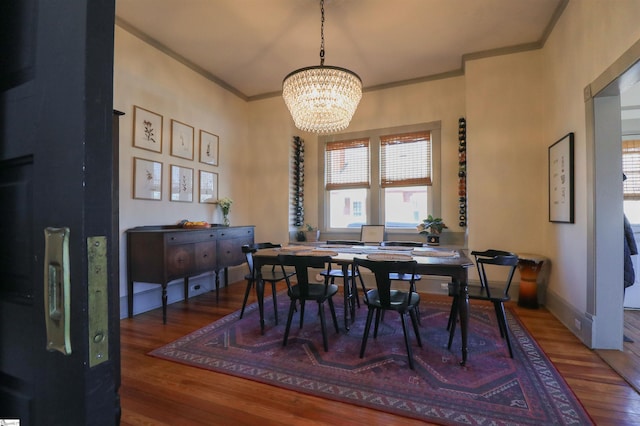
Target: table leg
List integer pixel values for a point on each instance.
(463, 314)
(347, 296)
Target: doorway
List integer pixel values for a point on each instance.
(612, 92)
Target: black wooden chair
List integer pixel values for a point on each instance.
(350, 290)
(488, 290)
(272, 276)
(303, 290)
(385, 298)
(404, 277)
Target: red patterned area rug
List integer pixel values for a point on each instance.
(492, 389)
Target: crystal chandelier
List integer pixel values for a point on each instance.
(322, 99)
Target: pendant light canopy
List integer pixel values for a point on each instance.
(322, 99)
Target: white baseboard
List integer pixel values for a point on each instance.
(150, 297)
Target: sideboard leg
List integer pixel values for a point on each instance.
(164, 303)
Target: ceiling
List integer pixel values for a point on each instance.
(249, 46)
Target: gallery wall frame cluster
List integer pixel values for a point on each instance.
(148, 172)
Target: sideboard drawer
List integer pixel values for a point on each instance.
(242, 232)
(190, 236)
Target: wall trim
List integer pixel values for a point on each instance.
(579, 323)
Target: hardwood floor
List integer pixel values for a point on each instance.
(627, 361)
(158, 392)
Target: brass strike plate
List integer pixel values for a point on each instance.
(98, 300)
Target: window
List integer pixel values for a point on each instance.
(405, 175)
(631, 186)
(383, 176)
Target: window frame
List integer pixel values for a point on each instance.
(376, 194)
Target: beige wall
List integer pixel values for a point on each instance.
(589, 37)
(150, 79)
(272, 130)
(516, 106)
(506, 153)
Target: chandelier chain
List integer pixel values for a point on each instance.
(322, 33)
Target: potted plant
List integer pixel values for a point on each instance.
(432, 227)
(311, 233)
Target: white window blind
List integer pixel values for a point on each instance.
(347, 164)
(631, 168)
(405, 159)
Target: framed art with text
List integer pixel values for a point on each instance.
(208, 187)
(208, 148)
(181, 184)
(561, 203)
(147, 129)
(147, 179)
(181, 140)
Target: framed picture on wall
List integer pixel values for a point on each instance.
(181, 184)
(561, 204)
(147, 129)
(208, 148)
(208, 187)
(147, 179)
(181, 140)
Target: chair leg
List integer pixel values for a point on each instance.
(323, 326)
(354, 290)
(333, 314)
(415, 321)
(275, 301)
(246, 296)
(503, 320)
(417, 312)
(496, 307)
(301, 312)
(379, 313)
(292, 306)
(367, 327)
(453, 317)
(406, 340)
(454, 307)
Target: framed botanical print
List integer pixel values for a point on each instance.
(181, 184)
(208, 148)
(147, 179)
(208, 187)
(181, 140)
(561, 169)
(147, 129)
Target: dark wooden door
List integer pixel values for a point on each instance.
(57, 171)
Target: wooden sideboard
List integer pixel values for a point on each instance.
(160, 254)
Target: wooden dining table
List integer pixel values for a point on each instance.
(453, 264)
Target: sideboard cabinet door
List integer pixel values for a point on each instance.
(230, 242)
